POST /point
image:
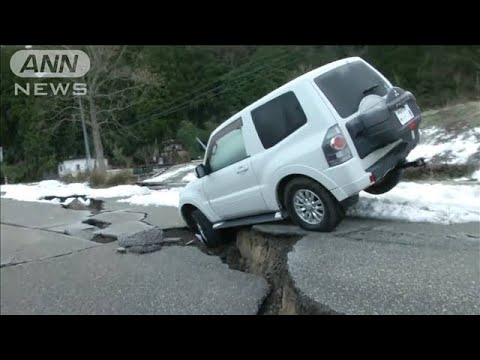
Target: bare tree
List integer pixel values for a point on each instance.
(113, 85)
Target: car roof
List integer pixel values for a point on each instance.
(307, 76)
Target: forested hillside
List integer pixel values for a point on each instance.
(139, 96)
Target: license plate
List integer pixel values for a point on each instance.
(404, 114)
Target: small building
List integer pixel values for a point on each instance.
(75, 166)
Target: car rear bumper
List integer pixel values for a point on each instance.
(343, 192)
(396, 156)
(380, 168)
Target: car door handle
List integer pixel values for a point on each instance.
(241, 169)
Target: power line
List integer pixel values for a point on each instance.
(188, 104)
(220, 87)
(277, 57)
(229, 73)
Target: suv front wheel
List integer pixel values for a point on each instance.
(311, 206)
(204, 229)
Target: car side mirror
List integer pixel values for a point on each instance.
(201, 171)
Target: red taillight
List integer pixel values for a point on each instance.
(338, 142)
(373, 179)
(335, 147)
(413, 125)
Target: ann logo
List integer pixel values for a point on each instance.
(50, 63)
(58, 64)
(43, 64)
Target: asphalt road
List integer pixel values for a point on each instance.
(379, 267)
(99, 281)
(46, 272)
(363, 267)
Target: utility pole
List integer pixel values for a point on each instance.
(85, 135)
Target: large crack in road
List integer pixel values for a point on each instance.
(261, 254)
(247, 251)
(264, 250)
(363, 267)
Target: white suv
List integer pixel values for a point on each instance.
(304, 151)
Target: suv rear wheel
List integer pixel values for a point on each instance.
(311, 206)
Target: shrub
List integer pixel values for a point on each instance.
(123, 177)
(79, 178)
(14, 173)
(97, 179)
(439, 172)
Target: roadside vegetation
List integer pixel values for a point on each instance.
(438, 172)
(454, 117)
(139, 96)
(97, 179)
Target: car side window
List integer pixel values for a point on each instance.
(227, 147)
(278, 118)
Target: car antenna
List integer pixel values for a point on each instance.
(201, 143)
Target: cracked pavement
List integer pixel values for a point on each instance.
(371, 267)
(47, 272)
(29, 245)
(363, 267)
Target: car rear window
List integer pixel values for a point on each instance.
(348, 84)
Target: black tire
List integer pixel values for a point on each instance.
(210, 237)
(332, 210)
(387, 183)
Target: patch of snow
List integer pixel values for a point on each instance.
(476, 175)
(190, 177)
(169, 174)
(84, 202)
(415, 202)
(438, 142)
(56, 188)
(53, 201)
(118, 191)
(68, 201)
(165, 197)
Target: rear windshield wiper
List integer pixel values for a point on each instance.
(370, 88)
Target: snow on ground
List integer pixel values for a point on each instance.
(165, 197)
(449, 148)
(170, 174)
(35, 192)
(68, 201)
(71, 199)
(190, 177)
(420, 202)
(476, 175)
(132, 194)
(408, 201)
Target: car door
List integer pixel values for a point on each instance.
(231, 186)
